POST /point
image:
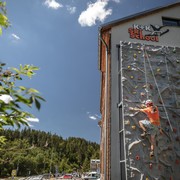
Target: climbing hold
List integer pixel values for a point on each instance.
(134, 92)
(139, 78)
(129, 67)
(147, 178)
(174, 130)
(127, 122)
(131, 77)
(133, 127)
(126, 97)
(151, 86)
(158, 70)
(137, 157)
(136, 87)
(142, 94)
(177, 60)
(135, 55)
(150, 166)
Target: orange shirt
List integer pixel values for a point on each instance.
(153, 116)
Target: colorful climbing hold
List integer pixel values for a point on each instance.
(150, 166)
(174, 130)
(142, 94)
(133, 127)
(135, 55)
(137, 157)
(127, 122)
(151, 86)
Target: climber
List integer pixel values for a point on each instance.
(150, 125)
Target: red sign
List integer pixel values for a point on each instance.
(147, 33)
(138, 34)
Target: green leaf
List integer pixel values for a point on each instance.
(37, 103)
(22, 88)
(15, 69)
(32, 90)
(39, 97)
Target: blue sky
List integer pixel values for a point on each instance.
(61, 38)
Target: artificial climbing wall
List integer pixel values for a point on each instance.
(151, 72)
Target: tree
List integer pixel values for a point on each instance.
(12, 97)
(3, 18)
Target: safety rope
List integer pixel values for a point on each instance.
(146, 55)
(169, 82)
(145, 74)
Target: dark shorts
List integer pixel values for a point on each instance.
(151, 128)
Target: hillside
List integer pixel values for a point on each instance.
(36, 152)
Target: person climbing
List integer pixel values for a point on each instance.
(150, 125)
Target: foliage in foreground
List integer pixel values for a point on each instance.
(37, 152)
(13, 97)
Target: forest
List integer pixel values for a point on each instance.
(32, 152)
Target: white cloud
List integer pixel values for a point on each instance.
(52, 4)
(32, 119)
(94, 12)
(117, 1)
(71, 9)
(6, 98)
(15, 36)
(93, 117)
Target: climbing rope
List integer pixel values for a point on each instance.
(145, 74)
(169, 82)
(146, 55)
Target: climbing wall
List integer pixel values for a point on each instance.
(151, 72)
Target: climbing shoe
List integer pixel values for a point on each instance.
(143, 134)
(151, 154)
